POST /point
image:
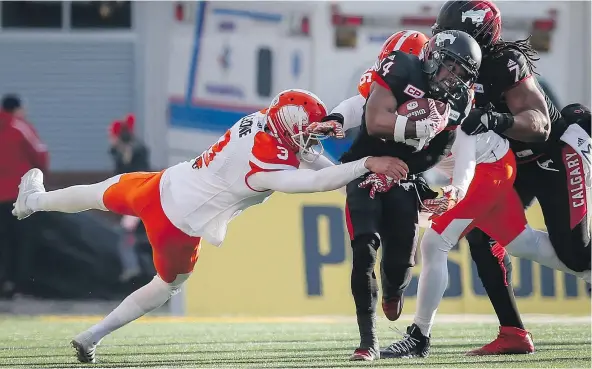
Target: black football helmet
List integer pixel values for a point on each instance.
(481, 19)
(451, 59)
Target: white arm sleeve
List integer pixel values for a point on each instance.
(306, 180)
(320, 163)
(352, 110)
(464, 150)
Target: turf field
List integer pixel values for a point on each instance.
(279, 343)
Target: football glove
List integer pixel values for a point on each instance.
(331, 128)
(442, 204)
(480, 120)
(377, 183)
(435, 123)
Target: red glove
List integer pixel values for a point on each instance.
(442, 204)
(329, 128)
(377, 183)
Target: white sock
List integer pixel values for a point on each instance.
(433, 279)
(536, 246)
(71, 199)
(142, 301)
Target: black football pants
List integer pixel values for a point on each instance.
(557, 181)
(389, 221)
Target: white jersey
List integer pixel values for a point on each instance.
(201, 196)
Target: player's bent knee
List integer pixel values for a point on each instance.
(525, 245)
(433, 243)
(175, 284)
(364, 252)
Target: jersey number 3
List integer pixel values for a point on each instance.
(282, 153)
(206, 158)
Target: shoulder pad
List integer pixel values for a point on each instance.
(269, 154)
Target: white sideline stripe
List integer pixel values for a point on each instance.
(441, 319)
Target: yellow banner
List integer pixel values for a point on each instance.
(291, 256)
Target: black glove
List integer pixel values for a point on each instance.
(333, 116)
(480, 120)
(577, 114)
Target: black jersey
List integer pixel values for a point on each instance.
(499, 73)
(401, 73)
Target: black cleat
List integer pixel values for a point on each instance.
(413, 344)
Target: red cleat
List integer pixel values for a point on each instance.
(392, 307)
(365, 354)
(509, 341)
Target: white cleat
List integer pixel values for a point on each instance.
(85, 347)
(31, 182)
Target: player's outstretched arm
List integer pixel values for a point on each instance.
(350, 111)
(315, 163)
(327, 179)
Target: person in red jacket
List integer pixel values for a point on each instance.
(20, 150)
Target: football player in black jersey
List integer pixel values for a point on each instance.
(552, 150)
(446, 72)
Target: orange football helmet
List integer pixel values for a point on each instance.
(408, 41)
(288, 116)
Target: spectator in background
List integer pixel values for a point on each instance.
(129, 155)
(20, 150)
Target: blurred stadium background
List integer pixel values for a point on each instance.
(187, 71)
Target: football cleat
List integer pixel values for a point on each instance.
(31, 182)
(365, 354)
(392, 307)
(85, 347)
(510, 341)
(413, 344)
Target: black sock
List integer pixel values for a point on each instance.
(364, 287)
(496, 276)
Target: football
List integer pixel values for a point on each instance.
(418, 109)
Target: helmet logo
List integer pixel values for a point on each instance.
(442, 37)
(476, 16)
(293, 115)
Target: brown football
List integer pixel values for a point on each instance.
(418, 109)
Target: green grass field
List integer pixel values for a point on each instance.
(276, 343)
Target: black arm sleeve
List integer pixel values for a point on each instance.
(439, 148)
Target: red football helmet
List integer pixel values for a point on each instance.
(408, 41)
(288, 116)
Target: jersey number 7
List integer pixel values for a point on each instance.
(207, 156)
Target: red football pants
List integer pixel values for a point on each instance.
(491, 203)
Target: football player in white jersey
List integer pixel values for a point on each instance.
(197, 199)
